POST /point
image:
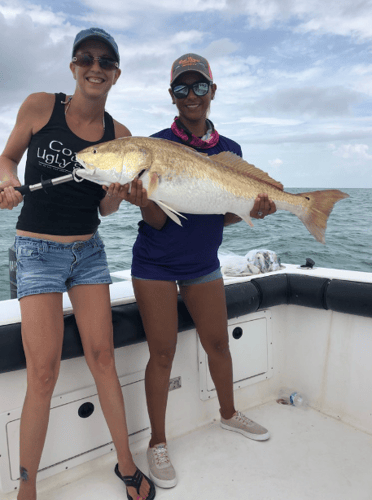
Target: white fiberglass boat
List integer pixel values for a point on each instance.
(306, 329)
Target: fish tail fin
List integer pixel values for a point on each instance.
(316, 213)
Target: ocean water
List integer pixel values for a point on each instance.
(348, 237)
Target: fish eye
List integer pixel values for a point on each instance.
(94, 151)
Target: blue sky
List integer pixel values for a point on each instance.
(294, 77)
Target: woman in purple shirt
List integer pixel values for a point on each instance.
(166, 255)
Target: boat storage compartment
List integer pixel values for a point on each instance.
(77, 430)
(250, 338)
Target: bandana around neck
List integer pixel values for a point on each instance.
(209, 140)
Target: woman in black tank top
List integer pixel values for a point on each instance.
(54, 233)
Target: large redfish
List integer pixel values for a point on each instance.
(179, 179)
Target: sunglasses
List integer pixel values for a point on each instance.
(86, 61)
(199, 88)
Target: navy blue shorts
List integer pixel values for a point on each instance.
(45, 266)
(215, 275)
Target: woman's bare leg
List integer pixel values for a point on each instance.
(93, 315)
(42, 336)
(157, 303)
(206, 304)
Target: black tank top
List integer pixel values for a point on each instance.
(66, 209)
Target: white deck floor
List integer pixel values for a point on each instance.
(309, 456)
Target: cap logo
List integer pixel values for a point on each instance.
(188, 62)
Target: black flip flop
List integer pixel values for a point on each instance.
(135, 481)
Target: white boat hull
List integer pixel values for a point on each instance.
(325, 354)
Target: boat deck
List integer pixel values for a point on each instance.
(309, 456)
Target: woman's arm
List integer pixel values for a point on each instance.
(121, 130)
(32, 116)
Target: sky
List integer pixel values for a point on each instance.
(294, 77)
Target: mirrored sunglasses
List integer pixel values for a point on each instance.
(199, 88)
(86, 60)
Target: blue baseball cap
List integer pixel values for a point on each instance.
(96, 34)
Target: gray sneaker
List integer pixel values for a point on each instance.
(244, 425)
(161, 470)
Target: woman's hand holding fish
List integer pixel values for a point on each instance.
(152, 214)
(116, 193)
(262, 207)
(133, 193)
(137, 195)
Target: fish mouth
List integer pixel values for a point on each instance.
(78, 174)
(89, 167)
(81, 162)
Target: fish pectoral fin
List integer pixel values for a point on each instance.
(247, 219)
(170, 208)
(172, 214)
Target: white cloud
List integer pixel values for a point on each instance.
(361, 69)
(269, 120)
(340, 17)
(276, 163)
(342, 21)
(221, 48)
(283, 87)
(192, 37)
(168, 6)
(31, 61)
(310, 101)
(111, 20)
(307, 75)
(46, 17)
(352, 151)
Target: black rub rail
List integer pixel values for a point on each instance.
(342, 296)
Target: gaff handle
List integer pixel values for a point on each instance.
(22, 189)
(25, 189)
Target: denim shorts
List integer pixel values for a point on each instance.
(45, 266)
(215, 275)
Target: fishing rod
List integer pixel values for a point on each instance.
(29, 188)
